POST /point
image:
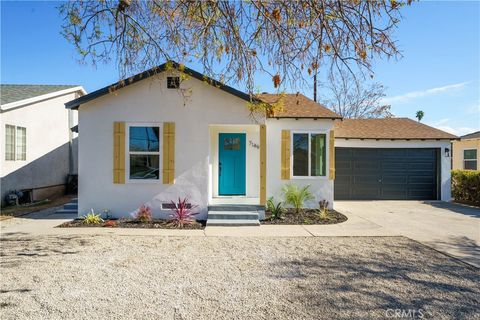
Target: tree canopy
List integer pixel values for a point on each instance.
(234, 40)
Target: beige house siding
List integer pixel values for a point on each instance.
(459, 146)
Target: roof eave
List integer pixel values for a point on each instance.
(74, 104)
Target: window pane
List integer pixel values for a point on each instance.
(144, 166)
(144, 139)
(300, 154)
(231, 144)
(318, 155)
(21, 143)
(9, 142)
(470, 154)
(470, 165)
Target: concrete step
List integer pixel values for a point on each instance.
(67, 211)
(71, 206)
(232, 215)
(232, 222)
(236, 207)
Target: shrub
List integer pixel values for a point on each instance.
(466, 186)
(275, 209)
(182, 213)
(92, 218)
(295, 196)
(110, 223)
(323, 209)
(144, 214)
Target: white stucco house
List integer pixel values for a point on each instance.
(36, 144)
(165, 134)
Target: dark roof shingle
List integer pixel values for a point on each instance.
(15, 92)
(296, 105)
(388, 128)
(473, 135)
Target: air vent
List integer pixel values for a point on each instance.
(173, 82)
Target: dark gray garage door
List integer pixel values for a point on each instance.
(386, 174)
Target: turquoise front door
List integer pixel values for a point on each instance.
(231, 164)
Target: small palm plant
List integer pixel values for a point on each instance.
(296, 196)
(92, 218)
(276, 210)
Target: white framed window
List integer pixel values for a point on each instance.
(143, 152)
(15, 143)
(309, 154)
(470, 159)
(21, 147)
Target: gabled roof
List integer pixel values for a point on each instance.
(473, 135)
(297, 106)
(74, 104)
(16, 92)
(388, 129)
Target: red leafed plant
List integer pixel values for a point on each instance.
(144, 214)
(110, 223)
(182, 213)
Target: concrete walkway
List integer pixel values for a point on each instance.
(447, 227)
(45, 222)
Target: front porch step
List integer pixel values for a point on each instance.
(235, 215)
(232, 215)
(236, 207)
(232, 222)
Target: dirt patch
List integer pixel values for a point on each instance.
(155, 224)
(20, 210)
(305, 216)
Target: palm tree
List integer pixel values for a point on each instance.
(419, 115)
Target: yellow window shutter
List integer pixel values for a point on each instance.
(263, 164)
(332, 155)
(119, 152)
(168, 171)
(285, 154)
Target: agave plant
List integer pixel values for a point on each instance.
(182, 213)
(295, 196)
(92, 218)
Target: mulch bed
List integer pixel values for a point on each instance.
(305, 216)
(154, 224)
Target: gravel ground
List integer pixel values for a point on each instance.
(124, 277)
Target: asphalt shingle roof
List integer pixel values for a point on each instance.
(388, 128)
(473, 135)
(16, 92)
(296, 105)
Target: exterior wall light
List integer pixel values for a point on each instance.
(447, 152)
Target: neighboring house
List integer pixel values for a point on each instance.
(466, 152)
(36, 141)
(153, 138)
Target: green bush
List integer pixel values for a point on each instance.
(295, 196)
(466, 186)
(276, 210)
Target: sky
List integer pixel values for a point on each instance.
(439, 72)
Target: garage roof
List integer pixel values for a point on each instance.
(296, 105)
(388, 129)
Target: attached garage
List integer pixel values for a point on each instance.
(391, 159)
(387, 174)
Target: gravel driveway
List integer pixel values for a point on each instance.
(125, 277)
